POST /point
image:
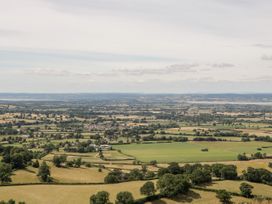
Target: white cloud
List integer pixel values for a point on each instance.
(61, 42)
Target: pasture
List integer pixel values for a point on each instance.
(198, 197)
(191, 151)
(233, 186)
(65, 194)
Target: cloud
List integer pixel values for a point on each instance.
(267, 57)
(222, 65)
(175, 68)
(263, 45)
(171, 69)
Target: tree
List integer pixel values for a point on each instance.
(124, 197)
(246, 190)
(5, 173)
(58, 160)
(44, 172)
(114, 176)
(224, 196)
(135, 174)
(229, 172)
(163, 171)
(174, 168)
(200, 176)
(101, 197)
(170, 185)
(216, 169)
(149, 175)
(148, 189)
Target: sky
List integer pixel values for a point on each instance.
(142, 46)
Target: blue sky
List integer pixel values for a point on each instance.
(176, 46)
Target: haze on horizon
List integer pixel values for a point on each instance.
(149, 46)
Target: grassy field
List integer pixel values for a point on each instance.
(191, 151)
(233, 186)
(198, 197)
(65, 194)
(93, 157)
(69, 194)
(63, 175)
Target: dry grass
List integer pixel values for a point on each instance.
(62, 175)
(65, 194)
(78, 175)
(200, 197)
(233, 186)
(25, 176)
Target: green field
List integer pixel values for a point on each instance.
(191, 151)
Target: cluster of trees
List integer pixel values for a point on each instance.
(257, 155)
(117, 176)
(17, 157)
(208, 139)
(81, 147)
(164, 138)
(197, 173)
(263, 138)
(258, 175)
(223, 171)
(102, 197)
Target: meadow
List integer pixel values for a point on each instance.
(191, 151)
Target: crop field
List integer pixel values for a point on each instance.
(191, 151)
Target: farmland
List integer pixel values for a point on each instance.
(67, 151)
